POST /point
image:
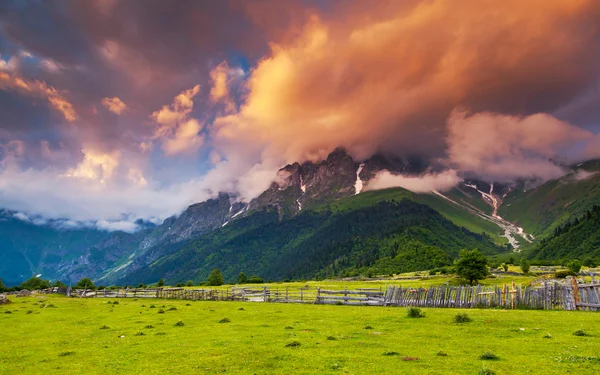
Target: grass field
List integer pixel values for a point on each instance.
(68, 339)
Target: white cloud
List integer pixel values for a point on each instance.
(425, 183)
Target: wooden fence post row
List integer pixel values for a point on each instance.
(569, 296)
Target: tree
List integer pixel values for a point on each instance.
(590, 262)
(472, 265)
(255, 280)
(242, 278)
(525, 266)
(574, 266)
(215, 278)
(511, 260)
(160, 283)
(189, 283)
(505, 267)
(2, 287)
(35, 283)
(59, 284)
(85, 283)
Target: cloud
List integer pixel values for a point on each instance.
(222, 77)
(177, 130)
(504, 148)
(425, 183)
(38, 88)
(115, 105)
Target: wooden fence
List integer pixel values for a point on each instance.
(550, 296)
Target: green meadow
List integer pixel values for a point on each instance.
(55, 334)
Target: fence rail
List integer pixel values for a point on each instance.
(550, 296)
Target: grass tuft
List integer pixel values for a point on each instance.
(415, 312)
(389, 354)
(161, 311)
(462, 318)
(105, 327)
(289, 327)
(489, 356)
(441, 354)
(64, 354)
(179, 324)
(293, 344)
(580, 332)
(149, 326)
(368, 326)
(485, 371)
(331, 338)
(225, 320)
(140, 334)
(172, 309)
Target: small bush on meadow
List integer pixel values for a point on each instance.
(64, 354)
(160, 333)
(415, 312)
(172, 309)
(179, 324)
(389, 354)
(149, 326)
(29, 312)
(462, 318)
(161, 311)
(289, 327)
(241, 309)
(105, 327)
(188, 304)
(547, 336)
(140, 334)
(115, 302)
(152, 306)
(441, 354)
(8, 312)
(225, 320)
(331, 338)
(368, 326)
(293, 344)
(485, 371)
(489, 356)
(580, 332)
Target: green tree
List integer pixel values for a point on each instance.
(59, 284)
(511, 260)
(525, 266)
(574, 266)
(242, 278)
(215, 278)
(35, 283)
(2, 287)
(505, 267)
(255, 280)
(189, 283)
(471, 265)
(590, 262)
(160, 283)
(85, 283)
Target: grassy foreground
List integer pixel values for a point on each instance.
(262, 339)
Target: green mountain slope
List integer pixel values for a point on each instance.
(541, 210)
(388, 236)
(578, 239)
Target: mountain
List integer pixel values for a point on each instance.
(387, 237)
(317, 194)
(576, 239)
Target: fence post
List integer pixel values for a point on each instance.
(575, 292)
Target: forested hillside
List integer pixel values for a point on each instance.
(577, 239)
(392, 236)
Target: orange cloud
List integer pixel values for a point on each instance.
(39, 88)
(221, 77)
(387, 81)
(115, 105)
(179, 133)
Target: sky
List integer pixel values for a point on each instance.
(117, 110)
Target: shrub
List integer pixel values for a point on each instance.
(188, 304)
(390, 353)
(415, 312)
(152, 306)
(488, 356)
(64, 354)
(160, 333)
(368, 326)
(241, 309)
(563, 274)
(574, 266)
(255, 280)
(225, 320)
(462, 318)
(179, 285)
(105, 327)
(331, 338)
(160, 283)
(289, 327)
(525, 266)
(149, 326)
(485, 371)
(161, 311)
(116, 303)
(172, 309)
(8, 312)
(580, 332)
(441, 354)
(29, 312)
(547, 336)
(293, 344)
(179, 324)
(140, 334)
